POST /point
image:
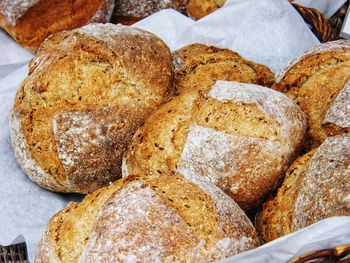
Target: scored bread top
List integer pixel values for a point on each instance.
(317, 80)
(239, 137)
(87, 92)
(199, 66)
(316, 187)
(151, 219)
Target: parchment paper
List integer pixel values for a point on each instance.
(266, 31)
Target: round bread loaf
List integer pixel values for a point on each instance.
(240, 137)
(130, 11)
(144, 219)
(198, 66)
(201, 8)
(318, 82)
(88, 90)
(29, 22)
(316, 186)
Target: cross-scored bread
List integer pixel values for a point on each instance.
(148, 219)
(241, 137)
(316, 186)
(29, 22)
(198, 67)
(88, 90)
(318, 82)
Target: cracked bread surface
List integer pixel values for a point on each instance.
(319, 82)
(315, 187)
(143, 218)
(240, 137)
(198, 67)
(88, 90)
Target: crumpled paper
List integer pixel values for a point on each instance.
(266, 31)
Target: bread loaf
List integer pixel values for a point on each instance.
(318, 82)
(88, 90)
(29, 22)
(144, 219)
(316, 186)
(130, 11)
(198, 66)
(240, 137)
(201, 8)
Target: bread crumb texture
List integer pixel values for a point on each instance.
(240, 137)
(153, 219)
(318, 81)
(88, 90)
(198, 67)
(316, 187)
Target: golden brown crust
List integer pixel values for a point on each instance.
(198, 66)
(75, 233)
(275, 218)
(201, 8)
(314, 81)
(238, 139)
(85, 96)
(316, 186)
(30, 26)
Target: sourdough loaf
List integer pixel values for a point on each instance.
(198, 66)
(318, 82)
(145, 219)
(130, 11)
(240, 137)
(29, 22)
(316, 186)
(88, 90)
(201, 8)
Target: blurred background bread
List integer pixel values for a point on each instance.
(144, 219)
(318, 82)
(201, 8)
(316, 186)
(198, 66)
(29, 22)
(88, 90)
(240, 137)
(130, 11)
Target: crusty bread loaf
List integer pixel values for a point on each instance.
(130, 11)
(316, 186)
(318, 82)
(145, 219)
(241, 137)
(201, 8)
(198, 66)
(29, 22)
(88, 90)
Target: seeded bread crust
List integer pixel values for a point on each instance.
(319, 82)
(29, 22)
(87, 92)
(198, 67)
(316, 186)
(240, 137)
(165, 219)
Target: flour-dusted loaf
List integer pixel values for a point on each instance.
(316, 186)
(145, 219)
(201, 8)
(240, 137)
(198, 66)
(131, 11)
(29, 22)
(88, 90)
(318, 82)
